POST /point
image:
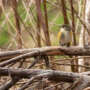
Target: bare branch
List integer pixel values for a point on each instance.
(80, 81)
(49, 51)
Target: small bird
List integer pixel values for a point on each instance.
(65, 35)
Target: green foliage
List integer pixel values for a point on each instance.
(4, 38)
(58, 21)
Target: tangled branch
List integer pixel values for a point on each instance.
(83, 79)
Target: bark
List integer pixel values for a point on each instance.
(79, 80)
(9, 84)
(49, 51)
(57, 50)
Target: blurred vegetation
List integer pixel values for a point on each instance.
(55, 18)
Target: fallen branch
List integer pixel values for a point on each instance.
(53, 50)
(80, 80)
(9, 84)
(28, 73)
(49, 51)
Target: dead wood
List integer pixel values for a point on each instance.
(52, 50)
(79, 80)
(49, 51)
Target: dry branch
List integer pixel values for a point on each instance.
(46, 23)
(39, 30)
(28, 73)
(9, 84)
(64, 12)
(73, 22)
(43, 24)
(52, 75)
(19, 40)
(49, 51)
(74, 69)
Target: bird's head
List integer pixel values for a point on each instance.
(65, 27)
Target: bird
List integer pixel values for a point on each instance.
(65, 35)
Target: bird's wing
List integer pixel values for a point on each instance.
(59, 35)
(71, 38)
(71, 33)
